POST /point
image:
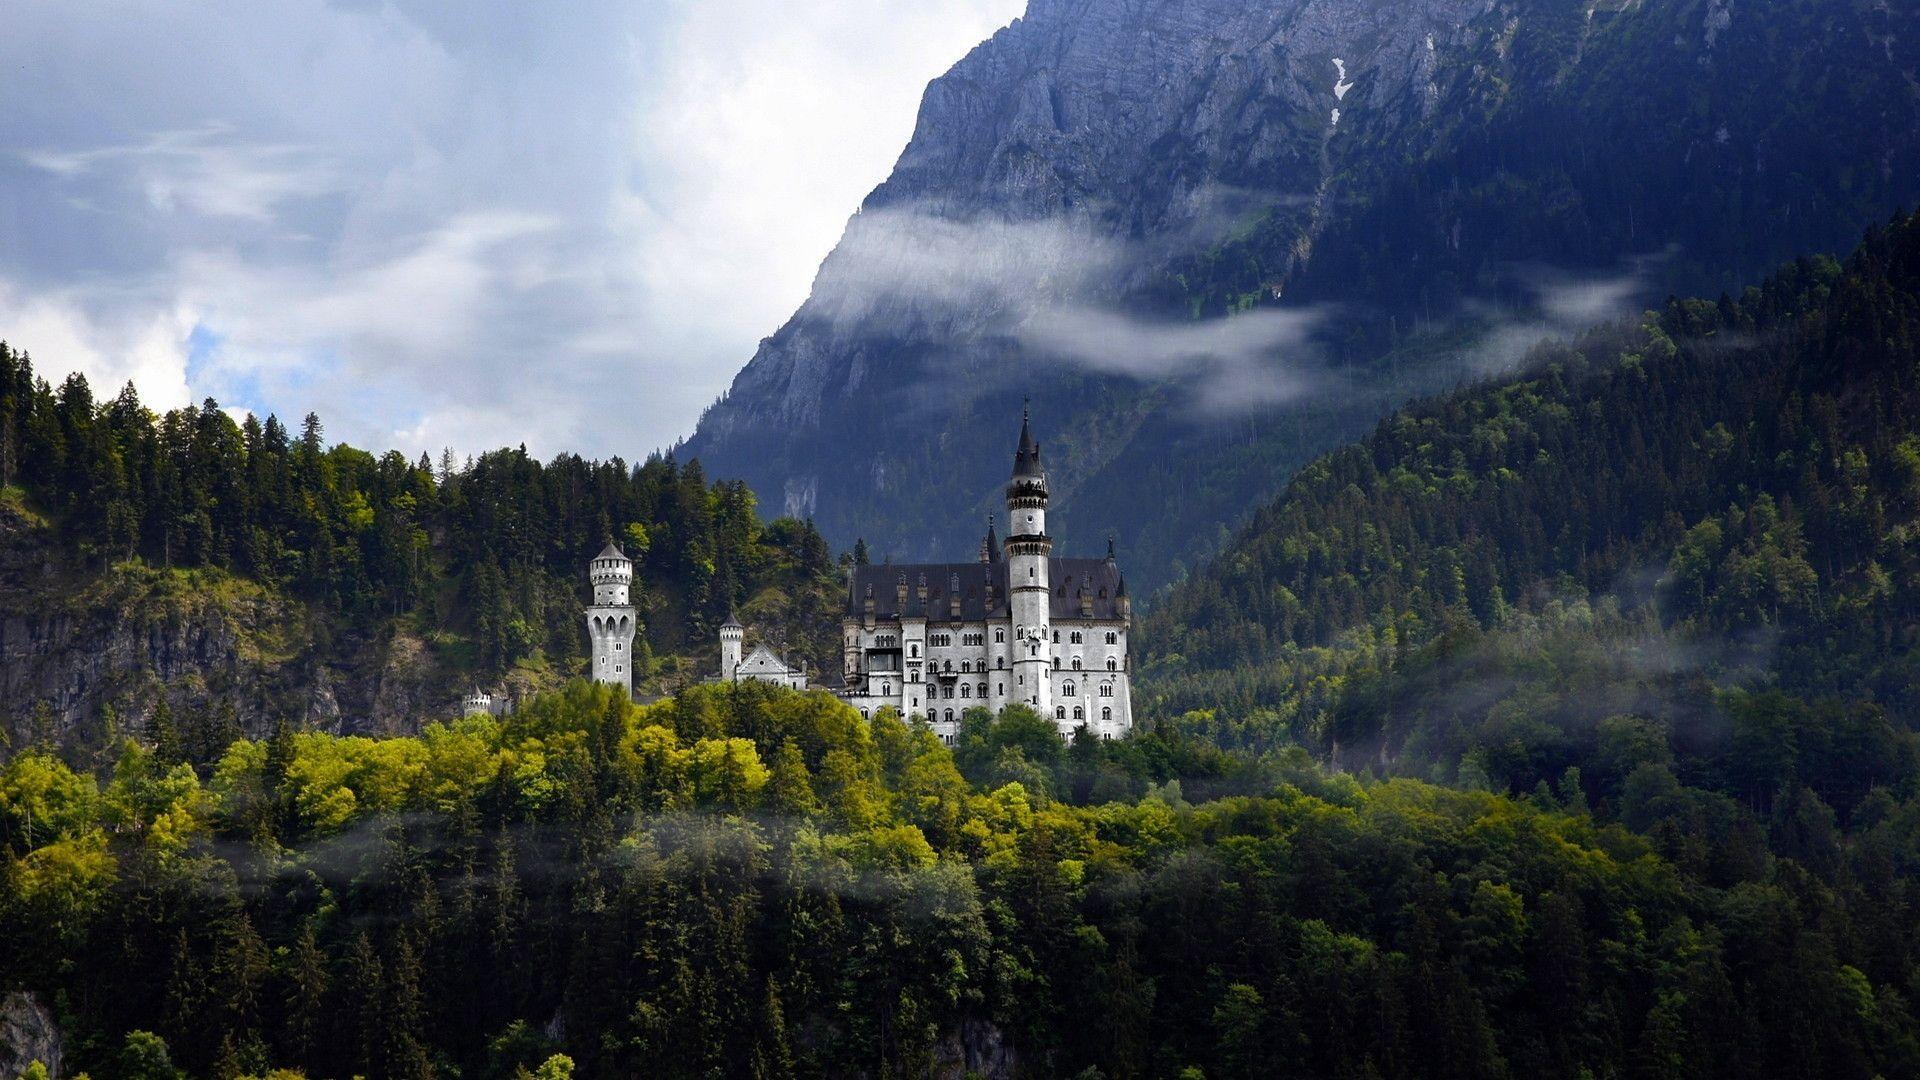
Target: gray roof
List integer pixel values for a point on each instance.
(1098, 578)
(612, 552)
(1026, 460)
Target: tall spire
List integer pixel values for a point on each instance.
(1026, 460)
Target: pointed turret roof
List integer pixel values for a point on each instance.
(1026, 460)
(612, 552)
(733, 621)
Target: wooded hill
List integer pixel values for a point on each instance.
(1688, 537)
(295, 556)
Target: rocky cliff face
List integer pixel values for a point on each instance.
(1210, 238)
(73, 642)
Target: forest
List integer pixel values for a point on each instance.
(746, 881)
(483, 557)
(1685, 539)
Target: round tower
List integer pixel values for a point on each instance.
(1029, 593)
(610, 618)
(733, 637)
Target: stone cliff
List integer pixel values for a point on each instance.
(73, 641)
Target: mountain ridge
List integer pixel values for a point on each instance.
(1090, 194)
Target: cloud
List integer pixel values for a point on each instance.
(203, 171)
(1561, 304)
(438, 223)
(1244, 361)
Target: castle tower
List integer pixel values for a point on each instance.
(1029, 594)
(733, 638)
(610, 619)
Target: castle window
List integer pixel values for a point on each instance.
(949, 716)
(949, 665)
(1000, 637)
(1076, 663)
(886, 689)
(1079, 713)
(946, 691)
(1068, 689)
(1056, 663)
(1056, 637)
(1113, 638)
(1059, 712)
(1074, 637)
(966, 691)
(617, 669)
(1106, 690)
(914, 650)
(1000, 688)
(617, 646)
(1106, 716)
(1112, 664)
(983, 690)
(1000, 662)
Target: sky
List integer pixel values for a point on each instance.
(443, 224)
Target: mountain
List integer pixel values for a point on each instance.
(1211, 239)
(232, 575)
(1688, 541)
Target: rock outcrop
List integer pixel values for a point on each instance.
(82, 649)
(28, 1033)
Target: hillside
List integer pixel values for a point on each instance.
(1689, 540)
(245, 575)
(1214, 239)
(753, 882)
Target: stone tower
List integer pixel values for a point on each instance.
(732, 637)
(1029, 594)
(610, 618)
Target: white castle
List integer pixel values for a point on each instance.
(931, 640)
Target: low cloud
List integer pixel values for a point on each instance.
(1231, 364)
(1560, 304)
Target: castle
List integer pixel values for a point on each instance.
(931, 640)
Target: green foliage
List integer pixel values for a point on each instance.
(744, 880)
(488, 555)
(1683, 542)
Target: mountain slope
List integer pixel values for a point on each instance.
(1090, 194)
(1708, 524)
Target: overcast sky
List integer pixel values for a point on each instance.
(443, 224)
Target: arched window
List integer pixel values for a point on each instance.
(1112, 664)
(1079, 713)
(949, 665)
(1000, 662)
(1074, 638)
(913, 650)
(1068, 689)
(1056, 637)
(1113, 638)
(949, 716)
(1056, 663)
(966, 691)
(982, 692)
(1059, 712)
(1000, 637)
(1106, 716)
(886, 689)
(1076, 663)
(1106, 690)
